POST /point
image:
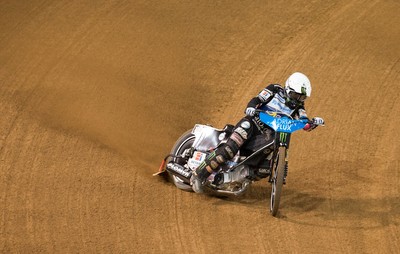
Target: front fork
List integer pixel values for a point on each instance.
(281, 139)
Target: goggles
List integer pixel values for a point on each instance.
(297, 96)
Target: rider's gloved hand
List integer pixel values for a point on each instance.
(314, 123)
(250, 111)
(318, 121)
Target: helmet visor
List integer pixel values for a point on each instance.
(297, 96)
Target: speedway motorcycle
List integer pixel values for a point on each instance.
(263, 156)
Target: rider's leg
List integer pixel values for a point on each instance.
(223, 153)
(227, 151)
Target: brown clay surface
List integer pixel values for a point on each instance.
(93, 94)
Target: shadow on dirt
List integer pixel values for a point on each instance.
(342, 213)
(309, 209)
(305, 208)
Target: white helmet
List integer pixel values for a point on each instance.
(298, 87)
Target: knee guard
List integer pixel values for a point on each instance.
(227, 151)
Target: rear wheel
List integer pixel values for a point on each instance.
(183, 143)
(277, 180)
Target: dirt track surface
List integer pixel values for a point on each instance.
(94, 94)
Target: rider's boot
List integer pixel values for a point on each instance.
(198, 179)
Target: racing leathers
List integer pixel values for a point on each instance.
(272, 98)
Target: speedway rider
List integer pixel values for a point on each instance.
(289, 100)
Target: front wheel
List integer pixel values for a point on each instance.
(277, 180)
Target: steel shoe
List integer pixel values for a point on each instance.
(197, 183)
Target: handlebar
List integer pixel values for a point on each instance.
(282, 113)
(273, 112)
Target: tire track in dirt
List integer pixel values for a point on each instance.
(303, 52)
(353, 62)
(23, 67)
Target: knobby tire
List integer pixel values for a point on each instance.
(277, 181)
